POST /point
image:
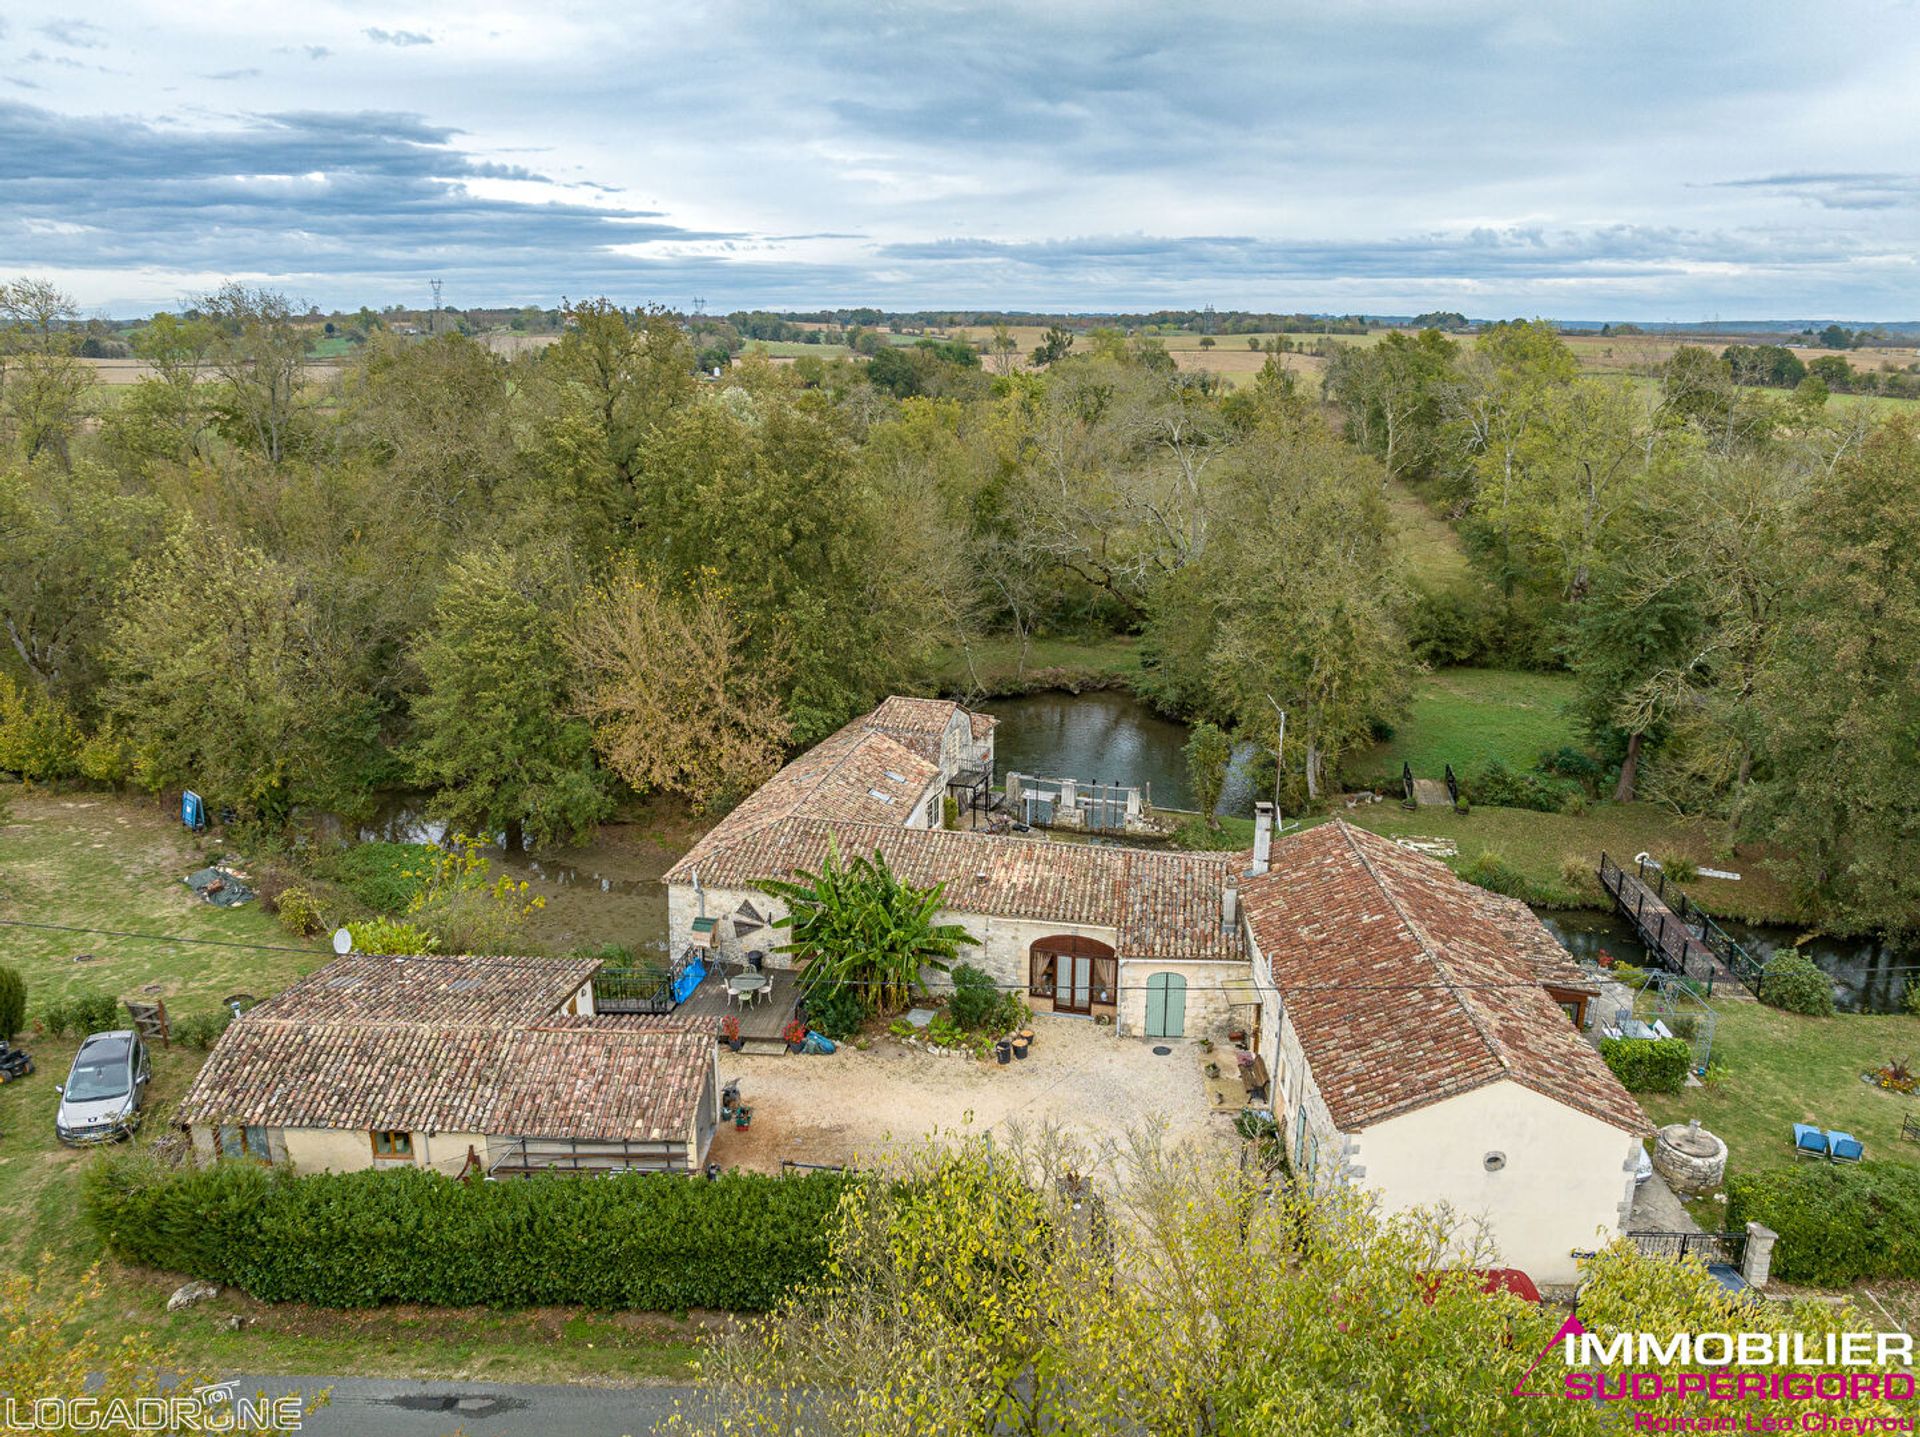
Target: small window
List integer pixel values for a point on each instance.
(248, 1140)
(392, 1143)
(883, 797)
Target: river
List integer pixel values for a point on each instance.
(1110, 735)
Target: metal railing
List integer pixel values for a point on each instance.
(1711, 1248)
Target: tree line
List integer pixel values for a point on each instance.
(531, 584)
(1732, 576)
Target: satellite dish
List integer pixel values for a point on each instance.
(342, 942)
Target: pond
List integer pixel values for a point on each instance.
(1111, 735)
(1106, 736)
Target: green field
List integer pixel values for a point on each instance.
(97, 861)
(1466, 717)
(795, 349)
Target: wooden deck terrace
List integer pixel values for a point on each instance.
(761, 1021)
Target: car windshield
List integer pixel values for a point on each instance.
(98, 1073)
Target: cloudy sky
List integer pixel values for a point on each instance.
(1622, 160)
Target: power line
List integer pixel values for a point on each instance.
(157, 937)
(848, 982)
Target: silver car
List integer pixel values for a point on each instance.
(100, 1101)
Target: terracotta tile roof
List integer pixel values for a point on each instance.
(917, 723)
(1408, 986)
(1162, 905)
(836, 778)
(473, 991)
(981, 725)
(542, 1075)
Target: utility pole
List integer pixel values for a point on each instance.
(1280, 747)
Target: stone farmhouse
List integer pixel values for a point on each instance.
(1423, 1035)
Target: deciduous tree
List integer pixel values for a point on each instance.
(675, 703)
(494, 741)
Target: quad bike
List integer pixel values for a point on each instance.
(14, 1062)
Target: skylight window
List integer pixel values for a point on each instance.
(883, 797)
(896, 777)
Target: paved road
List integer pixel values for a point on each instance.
(368, 1407)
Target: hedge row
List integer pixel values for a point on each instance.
(1648, 1065)
(653, 1242)
(1836, 1224)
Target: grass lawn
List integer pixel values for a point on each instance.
(1780, 1068)
(998, 665)
(1466, 717)
(97, 861)
(1429, 547)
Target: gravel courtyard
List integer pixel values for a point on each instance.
(1079, 1077)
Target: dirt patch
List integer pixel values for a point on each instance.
(853, 1106)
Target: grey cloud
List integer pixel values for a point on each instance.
(298, 192)
(403, 38)
(1838, 189)
(246, 74)
(75, 34)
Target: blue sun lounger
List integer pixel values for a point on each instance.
(1809, 1141)
(1844, 1147)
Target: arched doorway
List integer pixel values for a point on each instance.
(1166, 1005)
(1078, 974)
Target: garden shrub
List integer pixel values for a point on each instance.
(1570, 763)
(1794, 981)
(299, 912)
(13, 1002)
(1680, 869)
(836, 1011)
(1648, 1065)
(653, 1242)
(1498, 786)
(1489, 870)
(385, 877)
(1837, 1224)
(976, 998)
(87, 1013)
(390, 935)
(200, 1030)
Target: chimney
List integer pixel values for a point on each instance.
(1262, 839)
(1230, 905)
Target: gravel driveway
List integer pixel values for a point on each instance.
(1078, 1076)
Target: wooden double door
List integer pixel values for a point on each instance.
(1078, 974)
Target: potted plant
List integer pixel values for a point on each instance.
(730, 1033)
(796, 1035)
(1019, 1045)
(1002, 1051)
(743, 1116)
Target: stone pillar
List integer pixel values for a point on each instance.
(1757, 1266)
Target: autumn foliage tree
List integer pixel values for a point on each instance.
(1022, 1284)
(664, 681)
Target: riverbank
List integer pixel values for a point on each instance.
(1002, 666)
